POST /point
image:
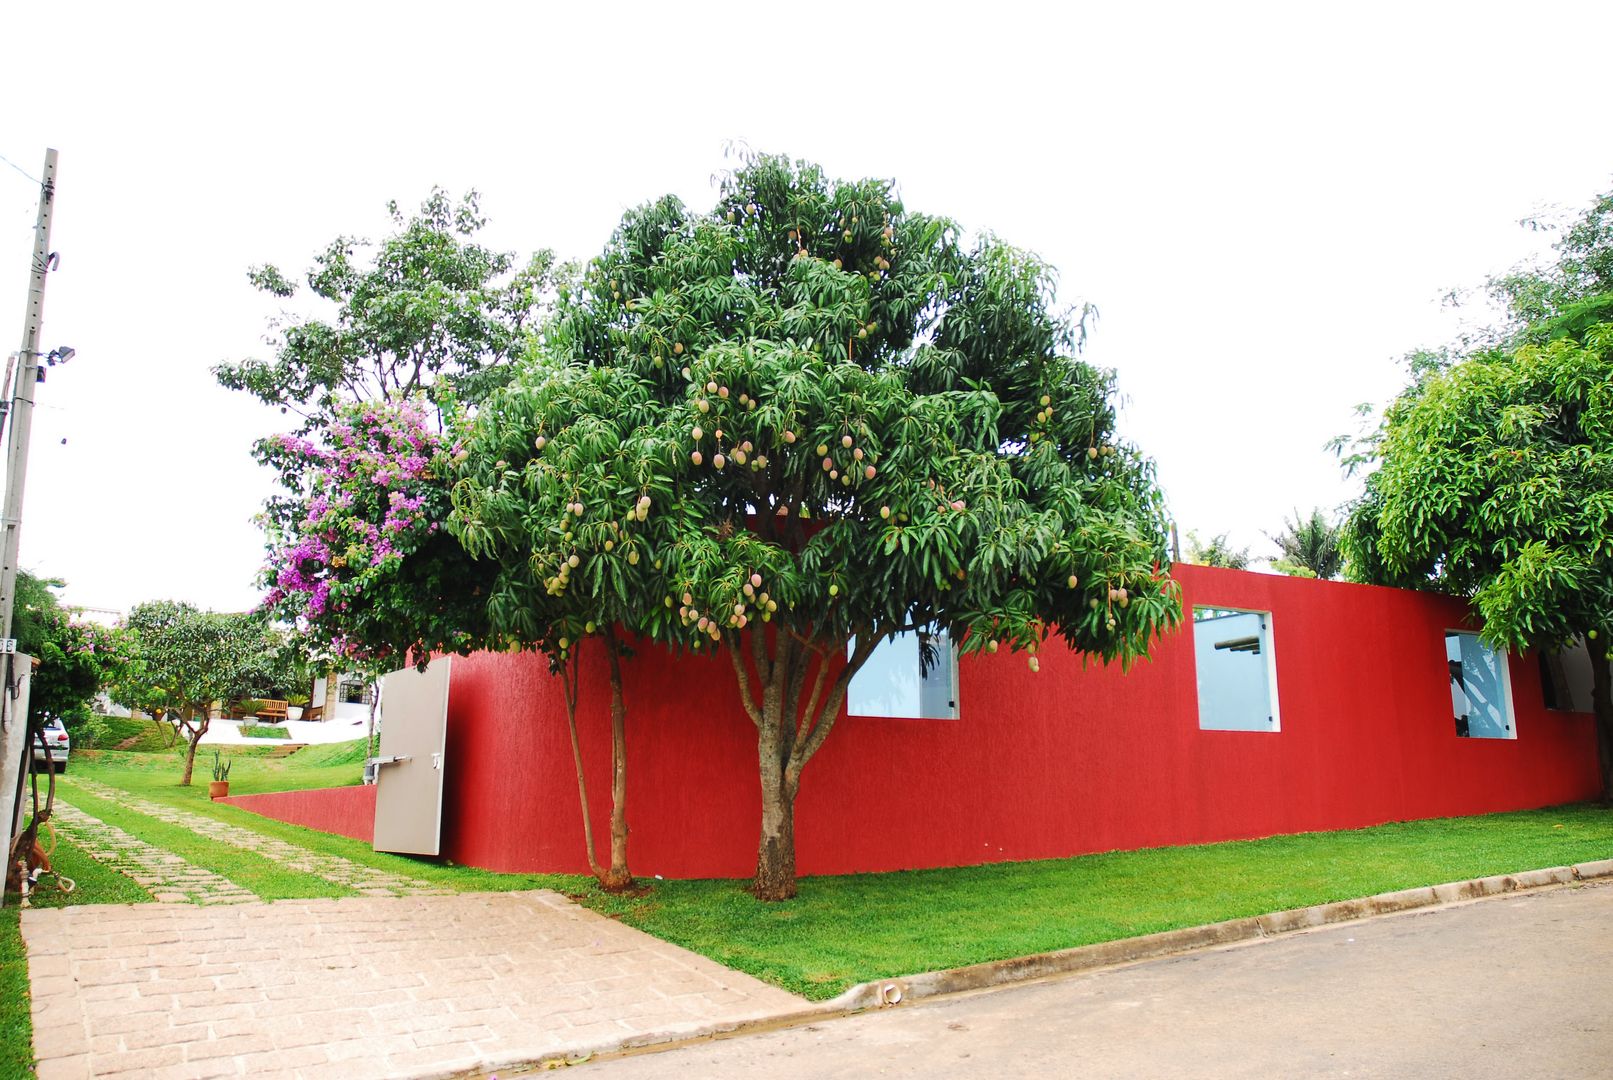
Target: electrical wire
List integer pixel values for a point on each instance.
(20, 169)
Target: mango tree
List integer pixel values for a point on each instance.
(1495, 482)
(879, 427)
(566, 487)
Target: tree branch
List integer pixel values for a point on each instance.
(743, 675)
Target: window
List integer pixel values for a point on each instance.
(353, 692)
(1479, 690)
(912, 675)
(1236, 670)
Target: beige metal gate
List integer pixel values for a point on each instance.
(414, 726)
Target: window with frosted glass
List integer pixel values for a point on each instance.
(912, 675)
(1478, 688)
(1236, 674)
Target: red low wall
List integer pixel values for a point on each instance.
(346, 811)
(1072, 760)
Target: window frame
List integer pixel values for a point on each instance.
(1507, 699)
(1269, 647)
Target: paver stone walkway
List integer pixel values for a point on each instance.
(366, 880)
(358, 987)
(162, 873)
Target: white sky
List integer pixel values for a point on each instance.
(1266, 203)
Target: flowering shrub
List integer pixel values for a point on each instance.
(357, 557)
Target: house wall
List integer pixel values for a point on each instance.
(1074, 759)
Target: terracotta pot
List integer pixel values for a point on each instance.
(218, 789)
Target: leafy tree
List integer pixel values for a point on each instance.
(1494, 475)
(853, 424)
(433, 310)
(1217, 551)
(1309, 546)
(603, 457)
(76, 658)
(182, 662)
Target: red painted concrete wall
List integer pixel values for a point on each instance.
(1072, 760)
(346, 811)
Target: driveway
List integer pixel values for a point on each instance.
(357, 987)
(1516, 986)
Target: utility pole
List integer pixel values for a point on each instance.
(22, 402)
(14, 736)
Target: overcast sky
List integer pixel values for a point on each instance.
(1265, 203)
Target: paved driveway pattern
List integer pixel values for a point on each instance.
(365, 880)
(358, 987)
(1515, 987)
(162, 873)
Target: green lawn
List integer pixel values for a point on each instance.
(843, 930)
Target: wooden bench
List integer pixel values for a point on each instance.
(313, 712)
(272, 710)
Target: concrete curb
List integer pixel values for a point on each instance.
(884, 993)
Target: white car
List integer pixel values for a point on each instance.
(56, 738)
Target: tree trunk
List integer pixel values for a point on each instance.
(369, 733)
(1602, 710)
(775, 854)
(618, 877)
(193, 734)
(789, 731)
(568, 678)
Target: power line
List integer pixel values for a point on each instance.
(20, 169)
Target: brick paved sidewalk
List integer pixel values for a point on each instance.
(365, 880)
(358, 987)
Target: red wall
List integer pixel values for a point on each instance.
(1072, 760)
(347, 811)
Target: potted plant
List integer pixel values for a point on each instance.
(294, 705)
(220, 786)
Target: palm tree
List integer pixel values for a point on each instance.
(1310, 547)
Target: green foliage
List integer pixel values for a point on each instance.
(1309, 546)
(433, 310)
(264, 731)
(75, 658)
(221, 768)
(1216, 551)
(1496, 482)
(181, 659)
(813, 386)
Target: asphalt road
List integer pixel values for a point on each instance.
(1518, 986)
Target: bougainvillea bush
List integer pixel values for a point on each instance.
(358, 557)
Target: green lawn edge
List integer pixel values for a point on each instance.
(845, 930)
(848, 929)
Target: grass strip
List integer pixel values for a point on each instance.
(16, 1020)
(265, 878)
(161, 788)
(845, 930)
(94, 881)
